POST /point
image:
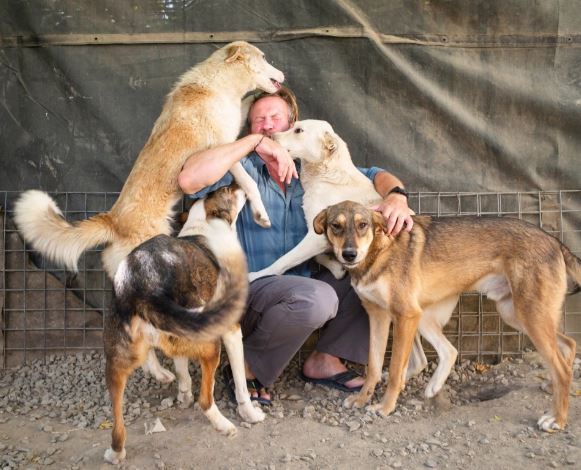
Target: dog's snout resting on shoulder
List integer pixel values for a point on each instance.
(414, 280)
(181, 295)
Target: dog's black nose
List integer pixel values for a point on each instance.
(349, 254)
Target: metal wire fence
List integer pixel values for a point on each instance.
(46, 310)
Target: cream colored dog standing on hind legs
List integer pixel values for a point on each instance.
(204, 109)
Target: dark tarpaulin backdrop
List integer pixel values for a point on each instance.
(448, 95)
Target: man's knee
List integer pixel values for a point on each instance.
(315, 303)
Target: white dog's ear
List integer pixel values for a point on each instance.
(233, 53)
(320, 222)
(330, 141)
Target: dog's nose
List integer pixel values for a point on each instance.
(349, 254)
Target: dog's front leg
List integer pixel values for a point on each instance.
(404, 331)
(308, 247)
(379, 322)
(249, 186)
(233, 343)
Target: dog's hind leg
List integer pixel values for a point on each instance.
(418, 360)
(433, 320)
(209, 364)
(248, 185)
(233, 343)
(153, 367)
(185, 396)
(539, 321)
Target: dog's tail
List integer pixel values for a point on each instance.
(573, 265)
(204, 323)
(42, 224)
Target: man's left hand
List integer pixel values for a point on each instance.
(397, 213)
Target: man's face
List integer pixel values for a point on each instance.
(269, 115)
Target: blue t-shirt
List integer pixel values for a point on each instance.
(264, 246)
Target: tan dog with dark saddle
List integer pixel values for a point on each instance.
(414, 280)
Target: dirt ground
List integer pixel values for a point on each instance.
(485, 418)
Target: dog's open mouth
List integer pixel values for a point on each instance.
(275, 83)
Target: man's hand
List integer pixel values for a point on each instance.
(397, 213)
(277, 159)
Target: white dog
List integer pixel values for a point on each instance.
(328, 176)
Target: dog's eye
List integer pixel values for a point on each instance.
(298, 130)
(336, 227)
(363, 225)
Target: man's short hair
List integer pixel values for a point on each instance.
(288, 97)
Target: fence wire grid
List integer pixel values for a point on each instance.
(47, 310)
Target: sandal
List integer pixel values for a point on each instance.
(253, 385)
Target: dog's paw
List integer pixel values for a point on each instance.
(261, 219)
(113, 457)
(548, 423)
(432, 389)
(185, 399)
(380, 409)
(225, 427)
(160, 374)
(355, 401)
(251, 414)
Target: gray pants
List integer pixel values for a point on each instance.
(283, 311)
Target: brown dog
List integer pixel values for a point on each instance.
(180, 295)
(414, 280)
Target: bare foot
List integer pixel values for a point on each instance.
(322, 365)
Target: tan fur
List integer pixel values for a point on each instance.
(413, 280)
(202, 110)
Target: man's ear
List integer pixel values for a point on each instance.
(233, 53)
(320, 222)
(379, 222)
(330, 141)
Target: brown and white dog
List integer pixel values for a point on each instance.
(181, 295)
(414, 280)
(204, 109)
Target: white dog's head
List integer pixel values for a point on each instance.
(309, 140)
(264, 75)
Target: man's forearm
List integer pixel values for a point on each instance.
(208, 166)
(384, 182)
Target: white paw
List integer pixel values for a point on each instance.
(162, 375)
(225, 427)
(337, 270)
(219, 422)
(114, 457)
(432, 390)
(185, 398)
(251, 414)
(261, 218)
(547, 423)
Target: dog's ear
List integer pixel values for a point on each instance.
(233, 53)
(320, 222)
(379, 222)
(330, 141)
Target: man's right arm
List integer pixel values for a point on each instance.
(208, 166)
(204, 168)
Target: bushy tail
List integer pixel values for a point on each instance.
(205, 323)
(573, 267)
(42, 224)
